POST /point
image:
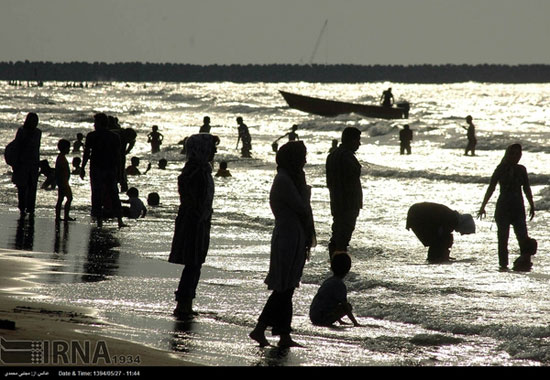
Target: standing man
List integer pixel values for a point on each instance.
(471, 134)
(387, 98)
(102, 149)
(405, 138)
(343, 173)
(244, 135)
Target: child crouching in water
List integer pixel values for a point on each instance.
(137, 209)
(330, 304)
(62, 175)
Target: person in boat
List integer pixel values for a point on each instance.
(343, 174)
(471, 134)
(433, 224)
(244, 136)
(387, 98)
(405, 138)
(510, 209)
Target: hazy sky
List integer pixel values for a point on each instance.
(277, 31)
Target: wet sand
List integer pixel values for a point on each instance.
(43, 322)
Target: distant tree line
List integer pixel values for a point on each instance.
(343, 73)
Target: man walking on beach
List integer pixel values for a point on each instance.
(343, 172)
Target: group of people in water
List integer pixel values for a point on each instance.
(105, 150)
(294, 233)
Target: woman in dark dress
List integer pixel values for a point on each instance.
(293, 236)
(510, 209)
(26, 169)
(192, 230)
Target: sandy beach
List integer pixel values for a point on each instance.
(59, 328)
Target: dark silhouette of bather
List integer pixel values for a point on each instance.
(471, 135)
(191, 238)
(293, 237)
(433, 224)
(102, 149)
(405, 138)
(244, 136)
(510, 210)
(26, 166)
(343, 173)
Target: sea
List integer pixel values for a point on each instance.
(465, 313)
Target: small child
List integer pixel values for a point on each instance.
(137, 209)
(330, 303)
(49, 173)
(76, 165)
(222, 171)
(78, 143)
(133, 168)
(153, 199)
(62, 175)
(155, 139)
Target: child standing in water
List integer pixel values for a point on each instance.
(62, 175)
(155, 139)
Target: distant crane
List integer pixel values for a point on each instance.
(318, 42)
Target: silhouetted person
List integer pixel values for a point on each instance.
(510, 209)
(153, 199)
(26, 166)
(76, 165)
(292, 136)
(387, 98)
(205, 128)
(79, 143)
(223, 171)
(137, 209)
(162, 163)
(433, 224)
(330, 304)
(62, 176)
(293, 237)
(244, 136)
(127, 141)
(343, 173)
(192, 228)
(155, 138)
(102, 149)
(471, 135)
(133, 169)
(405, 138)
(333, 146)
(47, 171)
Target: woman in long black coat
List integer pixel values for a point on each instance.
(293, 236)
(192, 230)
(26, 168)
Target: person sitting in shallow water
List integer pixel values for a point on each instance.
(223, 171)
(133, 168)
(330, 304)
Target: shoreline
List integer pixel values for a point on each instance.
(62, 330)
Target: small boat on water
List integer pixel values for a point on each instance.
(333, 108)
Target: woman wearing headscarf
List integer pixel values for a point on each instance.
(192, 229)
(26, 168)
(293, 236)
(510, 209)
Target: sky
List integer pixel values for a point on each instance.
(363, 32)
